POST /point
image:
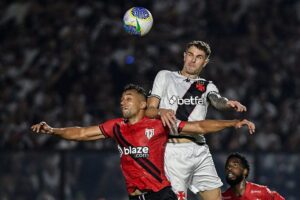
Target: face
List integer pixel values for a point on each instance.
(235, 172)
(131, 103)
(194, 61)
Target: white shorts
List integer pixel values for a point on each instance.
(188, 165)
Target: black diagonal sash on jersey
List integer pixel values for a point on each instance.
(183, 111)
(143, 162)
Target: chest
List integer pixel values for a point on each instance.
(142, 134)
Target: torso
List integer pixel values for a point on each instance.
(141, 147)
(187, 97)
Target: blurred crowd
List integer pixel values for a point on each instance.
(66, 62)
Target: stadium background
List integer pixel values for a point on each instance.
(66, 62)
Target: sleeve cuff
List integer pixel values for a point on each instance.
(180, 126)
(103, 131)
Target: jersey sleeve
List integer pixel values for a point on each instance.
(212, 88)
(107, 127)
(159, 84)
(277, 196)
(267, 193)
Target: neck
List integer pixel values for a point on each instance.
(138, 117)
(190, 76)
(239, 189)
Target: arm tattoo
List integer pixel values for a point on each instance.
(219, 102)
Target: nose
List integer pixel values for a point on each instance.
(194, 59)
(122, 102)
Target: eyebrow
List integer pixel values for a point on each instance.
(189, 52)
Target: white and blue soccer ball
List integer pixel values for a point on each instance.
(137, 21)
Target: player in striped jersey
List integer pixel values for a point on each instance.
(141, 142)
(183, 95)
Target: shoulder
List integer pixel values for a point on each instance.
(164, 73)
(115, 121)
(256, 188)
(255, 185)
(155, 121)
(208, 82)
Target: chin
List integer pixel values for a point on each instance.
(235, 181)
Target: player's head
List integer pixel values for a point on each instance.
(196, 56)
(237, 169)
(133, 100)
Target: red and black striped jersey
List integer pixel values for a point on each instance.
(142, 147)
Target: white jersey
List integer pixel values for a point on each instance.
(187, 97)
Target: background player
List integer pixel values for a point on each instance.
(141, 142)
(237, 170)
(186, 96)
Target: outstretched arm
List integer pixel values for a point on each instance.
(211, 126)
(70, 133)
(222, 103)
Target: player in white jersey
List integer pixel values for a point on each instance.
(185, 96)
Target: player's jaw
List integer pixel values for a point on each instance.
(232, 178)
(192, 69)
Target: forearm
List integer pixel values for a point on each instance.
(207, 126)
(219, 102)
(152, 112)
(78, 133)
(69, 133)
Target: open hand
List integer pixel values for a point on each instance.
(168, 118)
(247, 123)
(237, 106)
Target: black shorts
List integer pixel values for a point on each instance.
(164, 194)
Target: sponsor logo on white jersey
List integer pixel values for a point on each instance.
(136, 152)
(191, 101)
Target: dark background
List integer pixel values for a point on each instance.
(66, 62)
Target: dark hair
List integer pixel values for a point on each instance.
(200, 45)
(243, 160)
(140, 90)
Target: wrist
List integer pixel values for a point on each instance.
(51, 131)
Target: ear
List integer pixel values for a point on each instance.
(206, 62)
(143, 105)
(245, 173)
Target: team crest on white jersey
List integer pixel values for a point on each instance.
(149, 132)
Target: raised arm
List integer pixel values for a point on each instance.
(211, 126)
(222, 103)
(70, 133)
(152, 107)
(167, 116)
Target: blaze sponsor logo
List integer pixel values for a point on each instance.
(135, 152)
(191, 101)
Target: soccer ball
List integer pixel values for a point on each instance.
(137, 21)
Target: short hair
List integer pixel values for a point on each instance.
(243, 160)
(140, 90)
(200, 45)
